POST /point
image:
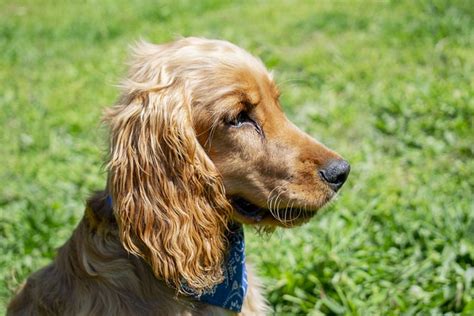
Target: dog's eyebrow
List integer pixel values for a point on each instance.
(248, 105)
(250, 100)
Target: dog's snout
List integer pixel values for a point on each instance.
(335, 173)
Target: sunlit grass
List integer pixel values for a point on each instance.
(389, 85)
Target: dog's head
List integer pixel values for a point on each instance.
(198, 138)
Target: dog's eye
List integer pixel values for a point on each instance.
(241, 119)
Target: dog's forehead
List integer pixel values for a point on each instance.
(221, 71)
(259, 85)
(219, 52)
(261, 89)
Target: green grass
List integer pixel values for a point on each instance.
(389, 85)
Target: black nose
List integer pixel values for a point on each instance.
(335, 173)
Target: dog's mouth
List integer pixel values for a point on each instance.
(250, 213)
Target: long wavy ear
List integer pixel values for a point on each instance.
(168, 197)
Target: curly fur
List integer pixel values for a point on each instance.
(163, 184)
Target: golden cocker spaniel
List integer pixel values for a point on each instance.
(199, 145)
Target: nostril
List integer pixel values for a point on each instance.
(323, 174)
(335, 173)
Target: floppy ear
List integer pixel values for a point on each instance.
(168, 197)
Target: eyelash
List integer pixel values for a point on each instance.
(240, 119)
(243, 118)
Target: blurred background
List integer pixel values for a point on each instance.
(388, 84)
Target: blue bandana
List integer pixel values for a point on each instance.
(230, 293)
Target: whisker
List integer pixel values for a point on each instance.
(274, 207)
(287, 209)
(271, 198)
(285, 214)
(277, 209)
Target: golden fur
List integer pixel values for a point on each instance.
(179, 154)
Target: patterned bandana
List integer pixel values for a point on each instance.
(230, 293)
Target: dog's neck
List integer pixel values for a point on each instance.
(230, 293)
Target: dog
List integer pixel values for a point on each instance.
(199, 146)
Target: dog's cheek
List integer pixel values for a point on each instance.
(247, 145)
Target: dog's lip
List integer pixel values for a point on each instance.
(257, 214)
(249, 210)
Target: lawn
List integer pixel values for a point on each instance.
(388, 84)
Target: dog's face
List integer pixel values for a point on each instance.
(198, 138)
(274, 174)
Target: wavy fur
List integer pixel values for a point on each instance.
(168, 197)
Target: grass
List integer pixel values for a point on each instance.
(389, 85)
